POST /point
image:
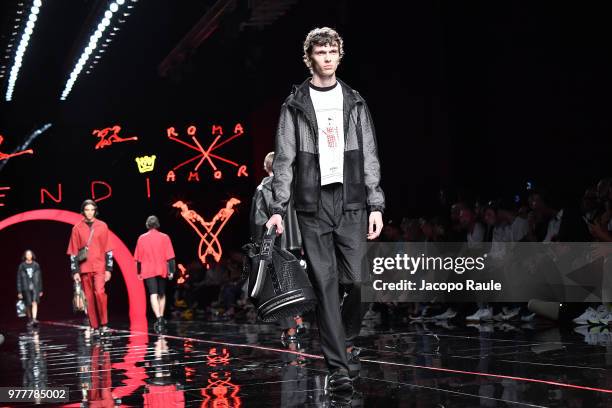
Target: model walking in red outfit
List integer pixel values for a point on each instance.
(155, 263)
(91, 262)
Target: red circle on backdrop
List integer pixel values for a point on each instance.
(121, 253)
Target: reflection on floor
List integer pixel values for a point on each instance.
(227, 364)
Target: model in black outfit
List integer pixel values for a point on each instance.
(30, 285)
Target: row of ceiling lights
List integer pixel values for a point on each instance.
(96, 39)
(112, 12)
(28, 30)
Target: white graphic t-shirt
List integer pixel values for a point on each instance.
(328, 106)
(30, 272)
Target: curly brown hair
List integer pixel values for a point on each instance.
(321, 36)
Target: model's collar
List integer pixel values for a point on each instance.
(301, 93)
(322, 88)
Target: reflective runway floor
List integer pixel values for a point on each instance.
(228, 364)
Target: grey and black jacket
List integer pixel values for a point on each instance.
(296, 155)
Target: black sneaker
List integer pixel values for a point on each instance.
(159, 326)
(354, 363)
(104, 331)
(338, 381)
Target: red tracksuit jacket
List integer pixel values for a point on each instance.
(99, 245)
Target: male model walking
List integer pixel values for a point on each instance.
(327, 163)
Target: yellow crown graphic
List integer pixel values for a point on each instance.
(145, 163)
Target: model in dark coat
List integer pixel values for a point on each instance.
(30, 284)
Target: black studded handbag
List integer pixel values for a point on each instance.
(278, 285)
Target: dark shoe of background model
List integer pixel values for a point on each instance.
(159, 327)
(354, 363)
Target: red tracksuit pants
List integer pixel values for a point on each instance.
(93, 286)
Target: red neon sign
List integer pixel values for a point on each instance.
(194, 175)
(99, 190)
(109, 192)
(214, 358)
(148, 188)
(110, 135)
(3, 195)
(57, 200)
(183, 275)
(4, 156)
(209, 241)
(205, 154)
(221, 392)
(242, 172)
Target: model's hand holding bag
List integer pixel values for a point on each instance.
(21, 308)
(79, 303)
(278, 285)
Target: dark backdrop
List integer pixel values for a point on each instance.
(466, 96)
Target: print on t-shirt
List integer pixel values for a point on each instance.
(332, 134)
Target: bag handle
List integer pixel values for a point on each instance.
(265, 257)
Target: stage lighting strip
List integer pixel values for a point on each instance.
(113, 11)
(21, 48)
(316, 356)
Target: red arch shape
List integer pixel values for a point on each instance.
(123, 256)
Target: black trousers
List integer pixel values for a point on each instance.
(289, 322)
(334, 245)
